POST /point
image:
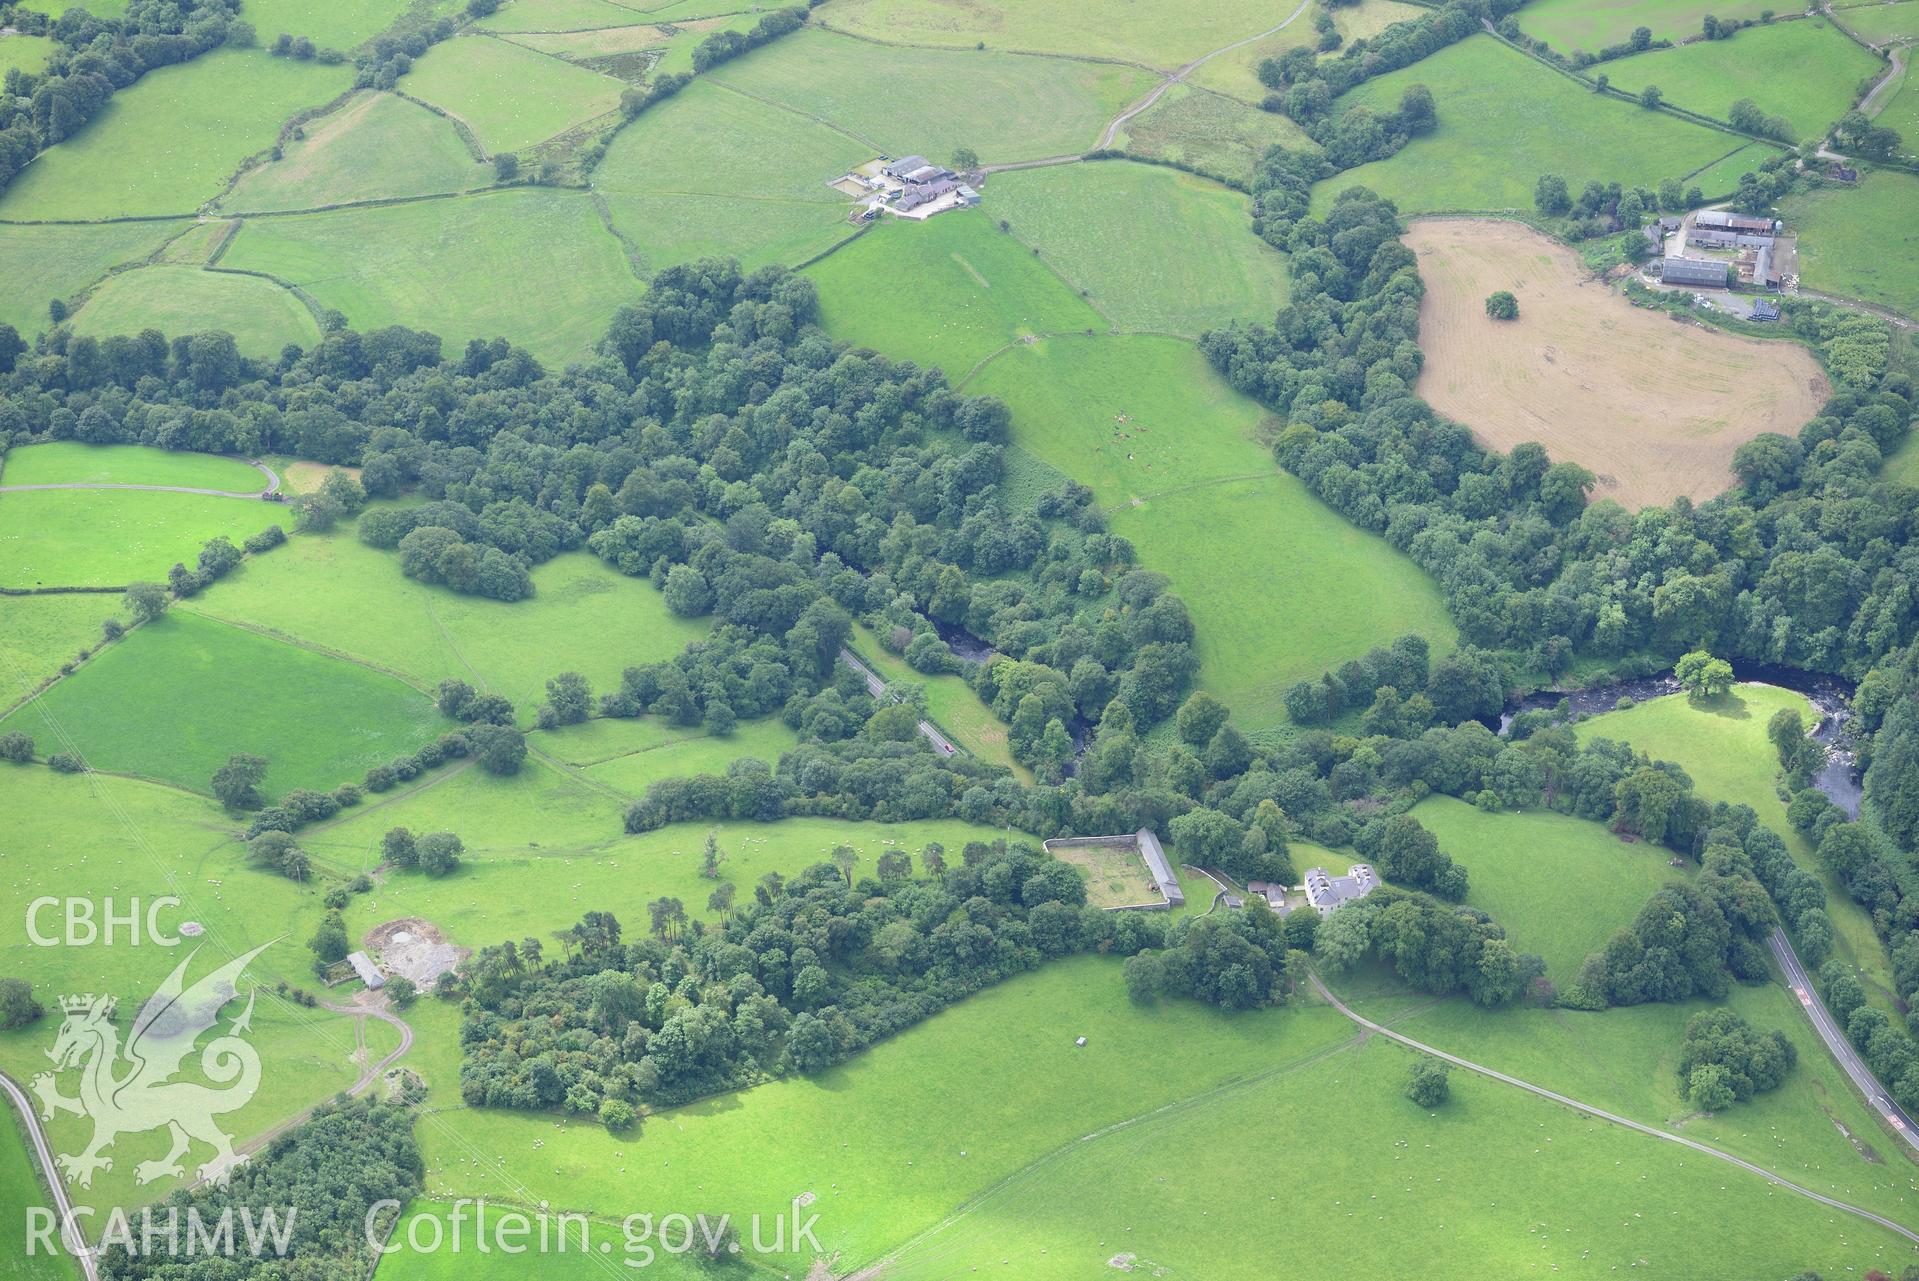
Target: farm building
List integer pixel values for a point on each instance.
(369, 973)
(1272, 891)
(1707, 238)
(1765, 309)
(1721, 220)
(1695, 271)
(1159, 866)
(916, 171)
(924, 194)
(1328, 893)
(1756, 268)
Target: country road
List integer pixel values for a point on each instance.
(1613, 1117)
(272, 486)
(877, 688)
(62, 1203)
(1835, 1038)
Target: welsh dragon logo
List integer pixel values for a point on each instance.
(130, 1090)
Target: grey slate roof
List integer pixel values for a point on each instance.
(1158, 864)
(1693, 271)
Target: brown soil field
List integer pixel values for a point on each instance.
(1652, 406)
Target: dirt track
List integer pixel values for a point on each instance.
(1652, 406)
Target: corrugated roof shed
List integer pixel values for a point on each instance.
(1693, 271)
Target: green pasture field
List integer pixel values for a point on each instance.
(1164, 37)
(336, 593)
(879, 1140)
(1626, 1060)
(264, 318)
(1173, 455)
(951, 702)
(378, 146)
(39, 264)
(192, 247)
(677, 56)
(177, 697)
(112, 537)
(1807, 71)
(1236, 71)
(1561, 886)
(95, 836)
(1900, 110)
(1329, 1171)
(1004, 106)
(991, 291)
(1218, 135)
(1591, 25)
(1878, 23)
(499, 894)
(67, 462)
(28, 53)
(21, 1186)
(634, 772)
(511, 96)
(532, 265)
(1504, 119)
(671, 204)
(1721, 177)
(561, 15)
(1860, 242)
(578, 46)
(338, 24)
(1723, 746)
(603, 738)
(678, 11)
(1208, 267)
(168, 144)
(40, 633)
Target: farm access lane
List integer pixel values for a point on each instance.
(1612, 1117)
(1835, 1038)
(70, 1235)
(877, 688)
(1154, 95)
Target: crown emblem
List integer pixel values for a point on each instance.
(77, 1004)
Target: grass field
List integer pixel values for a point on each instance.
(992, 291)
(531, 265)
(1591, 25)
(377, 146)
(1654, 409)
(634, 772)
(1857, 242)
(1495, 1182)
(263, 317)
(338, 24)
(167, 144)
(561, 15)
(888, 1143)
(511, 97)
(28, 53)
(1003, 106)
(40, 633)
(1504, 119)
(95, 836)
(1115, 877)
(1899, 110)
(1158, 36)
(1806, 71)
(1207, 269)
(1559, 885)
(1218, 135)
(1723, 746)
(39, 264)
(1626, 1060)
(1881, 22)
(1721, 177)
(578, 46)
(1171, 452)
(22, 1185)
(180, 695)
(584, 616)
(672, 205)
(109, 538)
(951, 702)
(65, 462)
(1235, 71)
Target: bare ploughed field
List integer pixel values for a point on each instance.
(1652, 406)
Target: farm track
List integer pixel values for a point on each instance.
(272, 486)
(1611, 1117)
